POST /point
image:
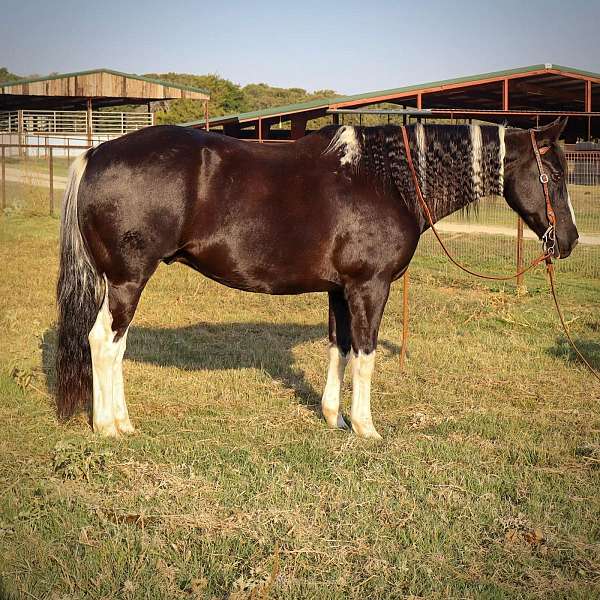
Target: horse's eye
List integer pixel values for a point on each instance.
(555, 176)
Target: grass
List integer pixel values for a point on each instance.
(485, 486)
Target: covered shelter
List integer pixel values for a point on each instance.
(68, 103)
(521, 97)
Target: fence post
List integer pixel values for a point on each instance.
(403, 349)
(51, 173)
(519, 253)
(3, 178)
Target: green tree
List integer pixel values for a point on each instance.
(6, 75)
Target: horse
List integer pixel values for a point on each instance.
(335, 211)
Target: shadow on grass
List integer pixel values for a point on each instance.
(213, 347)
(590, 350)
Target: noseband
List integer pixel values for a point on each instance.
(549, 242)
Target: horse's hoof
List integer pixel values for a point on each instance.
(125, 427)
(336, 421)
(366, 431)
(106, 430)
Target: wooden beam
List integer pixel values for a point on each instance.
(298, 126)
(588, 96)
(505, 94)
(534, 90)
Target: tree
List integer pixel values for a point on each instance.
(6, 75)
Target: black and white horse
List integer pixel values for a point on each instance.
(334, 212)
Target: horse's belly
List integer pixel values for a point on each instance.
(253, 272)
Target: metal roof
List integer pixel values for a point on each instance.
(379, 96)
(178, 86)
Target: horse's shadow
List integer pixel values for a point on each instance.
(589, 349)
(210, 346)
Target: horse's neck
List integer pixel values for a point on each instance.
(457, 166)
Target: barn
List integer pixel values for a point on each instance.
(521, 97)
(61, 108)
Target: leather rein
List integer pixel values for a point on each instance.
(549, 242)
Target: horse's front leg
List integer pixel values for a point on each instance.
(339, 353)
(366, 302)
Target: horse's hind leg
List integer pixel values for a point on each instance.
(108, 339)
(366, 302)
(339, 352)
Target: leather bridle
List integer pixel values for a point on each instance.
(549, 241)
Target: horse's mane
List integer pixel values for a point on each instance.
(457, 165)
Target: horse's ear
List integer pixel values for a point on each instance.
(548, 134)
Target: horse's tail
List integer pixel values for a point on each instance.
(79, 293)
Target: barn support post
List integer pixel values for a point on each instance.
(505, 94)
(89, 121)
(298, 126)
(260, 130)
(206, 121)
(3, 178)
(51, 177)
(588, 107)
(20, 131)
(403, 349)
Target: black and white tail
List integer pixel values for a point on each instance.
(79, 296)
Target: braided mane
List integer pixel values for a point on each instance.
(456, 165)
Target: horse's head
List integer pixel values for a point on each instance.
(524, 190)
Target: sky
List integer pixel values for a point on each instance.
(350, 47)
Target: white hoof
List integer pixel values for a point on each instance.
(106, 429)
(335, 420)
(125, 427)
(366, 430)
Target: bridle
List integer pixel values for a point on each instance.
(549, 242)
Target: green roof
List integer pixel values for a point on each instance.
(177, 86)
(303, 106)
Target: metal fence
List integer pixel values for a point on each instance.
(487, 237)
(72, 122)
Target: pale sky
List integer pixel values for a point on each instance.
(350, 47)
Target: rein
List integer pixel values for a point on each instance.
(549, 243)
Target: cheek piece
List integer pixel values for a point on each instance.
(549, 243)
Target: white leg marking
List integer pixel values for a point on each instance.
(330, 402)
(345, 138)
(362, 371)
(104, 354)
(476, 148)
(120, 407)
(422, 156)
(501, 132)
(571, 208)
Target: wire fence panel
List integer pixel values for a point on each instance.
(488, 235)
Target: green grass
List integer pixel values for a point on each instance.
(485, 485)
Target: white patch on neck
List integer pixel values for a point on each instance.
(421, 156)
(345, 140)
(501, 132)
(476, 156)
(571, 208)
